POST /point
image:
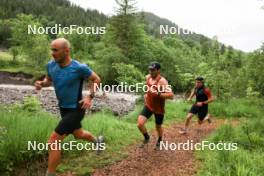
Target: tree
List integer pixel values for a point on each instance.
(14, 50)
(255, 70)
(123, 28)
(128, 73)
(34, 46)
(5, 32)
(82, 45)
(105, 58)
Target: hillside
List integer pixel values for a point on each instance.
(50, 12)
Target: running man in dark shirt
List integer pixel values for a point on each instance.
(200, 107)
(67, 76)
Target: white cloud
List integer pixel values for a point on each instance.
(239, 23)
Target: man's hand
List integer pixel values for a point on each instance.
(199, 104)
(38, 85)
(153, 92)
(44, 83)
(86, 102)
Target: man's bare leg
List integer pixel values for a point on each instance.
(86, 135)
(55, 153)
(208, 118)
(187, 123)
(160, 134)
(141, 126)
(83, 134)
(159, 130)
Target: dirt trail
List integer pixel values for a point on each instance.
(148, 161)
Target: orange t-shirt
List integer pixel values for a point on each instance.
(154, 102)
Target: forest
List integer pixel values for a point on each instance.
(131, 41)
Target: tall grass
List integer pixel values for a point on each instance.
(27, 122)
(245, 107)
(119, 133)
(247, 160)
(18, 125)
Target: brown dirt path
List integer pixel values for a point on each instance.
(148, 161)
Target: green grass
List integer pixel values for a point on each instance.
(20, 65)
(247, 160)
(18, 125)
(26, 122)
(119, 133)
(243, 107)
(5, 56)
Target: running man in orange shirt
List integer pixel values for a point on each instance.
(158, 91)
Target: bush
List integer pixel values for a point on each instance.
(128, 74)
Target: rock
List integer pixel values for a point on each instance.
(120, 103)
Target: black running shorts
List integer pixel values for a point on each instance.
(70, 120)
(146, 112)
(200, 111)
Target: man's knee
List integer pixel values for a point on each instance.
(55, 137)
(158, 127)
(78, 134)
(141, 121)
(189, 116)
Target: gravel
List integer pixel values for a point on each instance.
(120, 103)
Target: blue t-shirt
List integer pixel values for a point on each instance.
(68, 82)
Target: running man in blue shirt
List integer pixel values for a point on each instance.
(67, 76)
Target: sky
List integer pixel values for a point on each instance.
(239, 23)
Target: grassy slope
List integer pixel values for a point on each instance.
(247, 160)
(22, 123)
(7, 64)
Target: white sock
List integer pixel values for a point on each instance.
(206, 118)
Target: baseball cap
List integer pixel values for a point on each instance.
(154, 65)
(199, 78)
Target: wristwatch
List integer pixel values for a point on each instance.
(91, 95)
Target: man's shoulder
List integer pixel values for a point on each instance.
(163, 80)
(78, 64)
(147, 76)
(51, 62)
(206, 89)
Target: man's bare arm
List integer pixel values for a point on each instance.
(191, 95)
(166, 91)
(95, 79)
(211, 99)
(46, 82)
(86, 102)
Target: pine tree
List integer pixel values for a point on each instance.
(124, 25)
